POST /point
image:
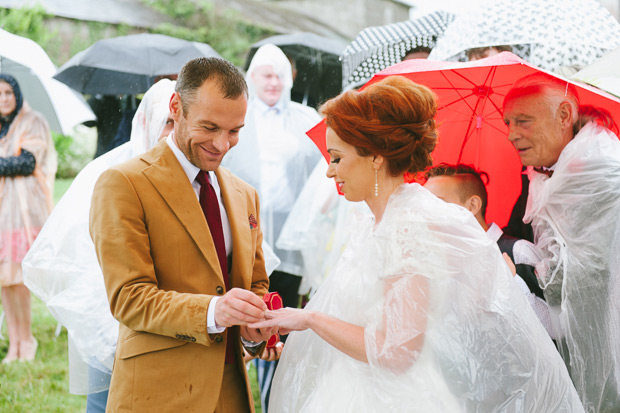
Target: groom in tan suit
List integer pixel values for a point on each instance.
(183, 285)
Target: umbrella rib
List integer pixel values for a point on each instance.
(461, 98)
(495, 127)
(468, 134)
(486, 97)
(480, 101)
(466, 79)
(457, 91)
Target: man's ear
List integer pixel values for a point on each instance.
(565, 115)
(473, 204)
(176, 108)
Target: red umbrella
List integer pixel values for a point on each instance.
(470, 96)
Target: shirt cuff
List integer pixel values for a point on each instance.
(212, 327)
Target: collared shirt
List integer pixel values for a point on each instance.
(192, 172)
(524, 251)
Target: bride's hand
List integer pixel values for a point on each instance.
(286, 319)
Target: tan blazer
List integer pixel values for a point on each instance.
(161, 270)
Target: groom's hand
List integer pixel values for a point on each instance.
(239, 307)
(257, 334)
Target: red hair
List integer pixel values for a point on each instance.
(393, 118)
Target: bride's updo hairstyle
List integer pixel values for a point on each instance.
(393, 118)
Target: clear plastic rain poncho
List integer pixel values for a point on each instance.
(25, 201)
(278, 157)
(61, 268)
(576, 219)
(446, 329)
(318, 226)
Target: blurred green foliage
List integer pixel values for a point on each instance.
(71, 158)
(27, 22)
(199, 21)
(194, 20)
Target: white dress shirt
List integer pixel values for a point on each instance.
(192, 172)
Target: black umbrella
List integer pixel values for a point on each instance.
(317, 59)
(129, 64)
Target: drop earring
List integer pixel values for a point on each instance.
(376, 183)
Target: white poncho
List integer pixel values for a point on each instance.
(62, 269)
(429, 271)
(576, 219)
(275, 156)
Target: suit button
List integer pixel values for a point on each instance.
(219, 289)
(218, 339)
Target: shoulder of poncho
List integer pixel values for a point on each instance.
(303, 112)
(589, 134)
(413, 205)
(29, 119)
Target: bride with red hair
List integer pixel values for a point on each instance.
(421, 312)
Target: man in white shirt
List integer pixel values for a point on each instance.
(179, 242)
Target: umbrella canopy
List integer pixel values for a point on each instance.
(27, 62)
(470, 97)
(376, 48)
(129, 64)
(549, 34)
(317, 60)
(604, 73)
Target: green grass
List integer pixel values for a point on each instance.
(60, 187)
(43, 385)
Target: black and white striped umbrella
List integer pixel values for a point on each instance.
(376, 48)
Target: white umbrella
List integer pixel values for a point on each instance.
(547, 33)
(25, 60)
(603, 73)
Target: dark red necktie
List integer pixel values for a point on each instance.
(211, 209)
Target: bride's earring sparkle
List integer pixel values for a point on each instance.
(376, 183)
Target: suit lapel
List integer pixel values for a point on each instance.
(236, 208)
(170, 180)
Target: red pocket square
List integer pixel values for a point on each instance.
(253, 222)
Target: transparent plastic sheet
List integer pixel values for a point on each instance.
(318, 226)
(576, 219)
(446, 327)
(25, 201)
(293, 153)
(61, 268)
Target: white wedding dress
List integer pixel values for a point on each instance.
(427, 273)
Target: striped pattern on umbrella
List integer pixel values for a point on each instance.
(376, 48)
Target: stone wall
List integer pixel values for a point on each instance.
(348, 17)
